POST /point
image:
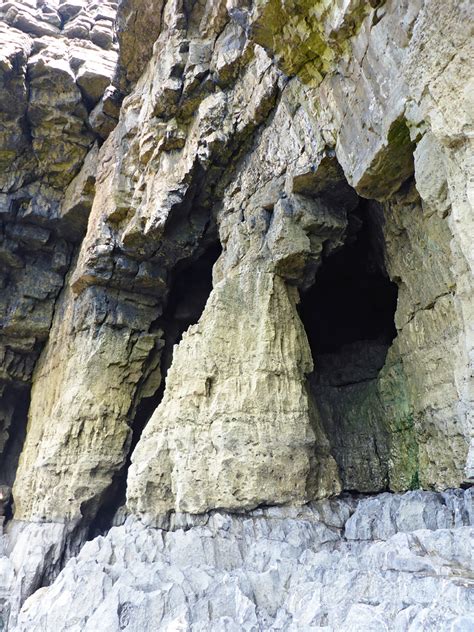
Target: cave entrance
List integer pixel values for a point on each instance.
(348, 314)
(190, 286)
(352, 298)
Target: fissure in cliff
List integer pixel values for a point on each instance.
(190, 286)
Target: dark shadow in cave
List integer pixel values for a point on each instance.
(15, 404)
(348, 315)
(352, 298)
(191, 285)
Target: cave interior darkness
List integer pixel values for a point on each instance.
(352, 298)
(348, 314)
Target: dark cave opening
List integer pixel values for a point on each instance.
(14, 416)
(190, 287)
(352, 298)
(348, 314)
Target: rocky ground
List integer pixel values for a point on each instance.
(391, 562)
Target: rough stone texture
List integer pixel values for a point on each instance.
(269, 132)
(209, 402)
(150, 191)
(425, 401)
(47, 82)
(39, 554)
(387, 563)
(214, 132)
(418, 251)
(138, 27)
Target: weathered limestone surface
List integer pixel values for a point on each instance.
(48, 82)
(169, 143)
(419, 396)
(214, 132)
(251, 441)
(390, 562)
(276, 134)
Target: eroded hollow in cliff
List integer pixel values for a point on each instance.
(190, 286)
(348, 314)
(352, 298)
(14, 406)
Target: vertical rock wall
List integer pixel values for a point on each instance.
(52, 76)
(187, 155)
(273, 128)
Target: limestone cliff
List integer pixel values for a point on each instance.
(236, 272)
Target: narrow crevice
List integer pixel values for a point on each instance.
(190, 286)
(15, 404)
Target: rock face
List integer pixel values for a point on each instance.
(392, 562)
(49, 82)
(236, 271)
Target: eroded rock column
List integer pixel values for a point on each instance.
(235, 428)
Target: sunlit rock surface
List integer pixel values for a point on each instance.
(389, 562)
(236, 271)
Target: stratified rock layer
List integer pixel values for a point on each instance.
(49, 81)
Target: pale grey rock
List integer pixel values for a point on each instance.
(93, 79)
(104, 116)
(78, 198)
(44, 140)
(27, 20)
(31, 555)
(386, 514)
(102, 35)
(272, 569)
(138, 26)
(69, 8)
(44, 122)
(70, 19)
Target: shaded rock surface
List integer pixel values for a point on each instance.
(49, 81)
